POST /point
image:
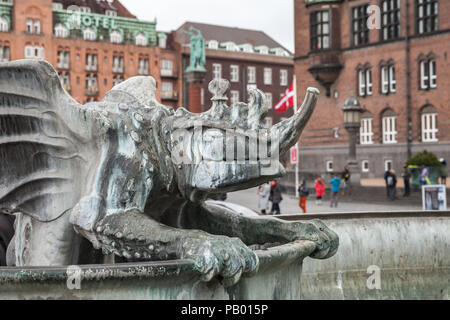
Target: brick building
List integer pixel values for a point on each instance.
(247, 58)
(93, 46)
(399, 71)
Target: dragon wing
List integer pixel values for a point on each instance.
(48, 142)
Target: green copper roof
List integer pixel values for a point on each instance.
(103, 25)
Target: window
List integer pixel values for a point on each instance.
(387, 165)
(166, 68)
(427, 16)
(162, 42)
(263, 50)
(117, 80)
(365, 166)
(389, 127)
(428, 74)
(166, 90)
(251, 74)
(57, 6)
(63, 60)
(34, 52)
(91, 62)
(91, 83)
(4, 53)
(247, 48)
(390, 19)
(64, 77)
(217, 71)
(111, 13)
(4, 25)
(320, 30)
(230, 46)
(85, 9)
(329, 166)
(118, 64)
(364, 81)
(234, 94)
(37, 26)
(360, 31)
(283, 77)
(267, 76)
(429, 124)
(89, 34)
(366, 132)
(281, 52)
(388, 82)
(213, 44)
(30, 25)
(141, 39)
(143, 67)
(61, 31)
(269, 100)
(115, 37)
(234, 73)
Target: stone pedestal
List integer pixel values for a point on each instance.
(195, 79)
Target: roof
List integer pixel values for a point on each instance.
(226, 34)
(99, 6)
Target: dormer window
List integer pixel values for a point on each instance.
(57, 6)
(111, 13)
(61, 31)
(263, 50)
(115, 37)
(230, 46)
(85, 9)
(162, 40)
(280, 52)
(141, 39)
(89, 34)
(213, 44)
(247, 48)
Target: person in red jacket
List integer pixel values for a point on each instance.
(319, 186)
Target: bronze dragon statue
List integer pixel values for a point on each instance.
(132, 176)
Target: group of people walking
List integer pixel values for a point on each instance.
(270, 192)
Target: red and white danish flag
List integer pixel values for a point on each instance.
(287, 101)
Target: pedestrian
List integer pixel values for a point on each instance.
(303, 193)
(444, 172)
(386, 174)
(319, 186)
(391, 182)
(425, 176)
(335, 188)
(276, 197)
(264, 194)
(406, 175)
(346, 181)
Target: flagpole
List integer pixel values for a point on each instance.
(296, 145)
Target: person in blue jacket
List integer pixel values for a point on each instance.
(335, 187)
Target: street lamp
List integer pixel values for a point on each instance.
(352, 123)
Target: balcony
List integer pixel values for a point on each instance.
(325, 67)
(169, 95)
(117, 69)
(91, 67)
(168, 73)
(92, 91)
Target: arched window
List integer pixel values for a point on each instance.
(89, 34)
(4, 25)
(61, 31)
(141, 39)
(428, 116)
(366, 132)
(389, 126)
(115, 37)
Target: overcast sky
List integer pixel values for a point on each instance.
(274, 17)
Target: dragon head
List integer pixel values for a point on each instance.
(228, 148)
